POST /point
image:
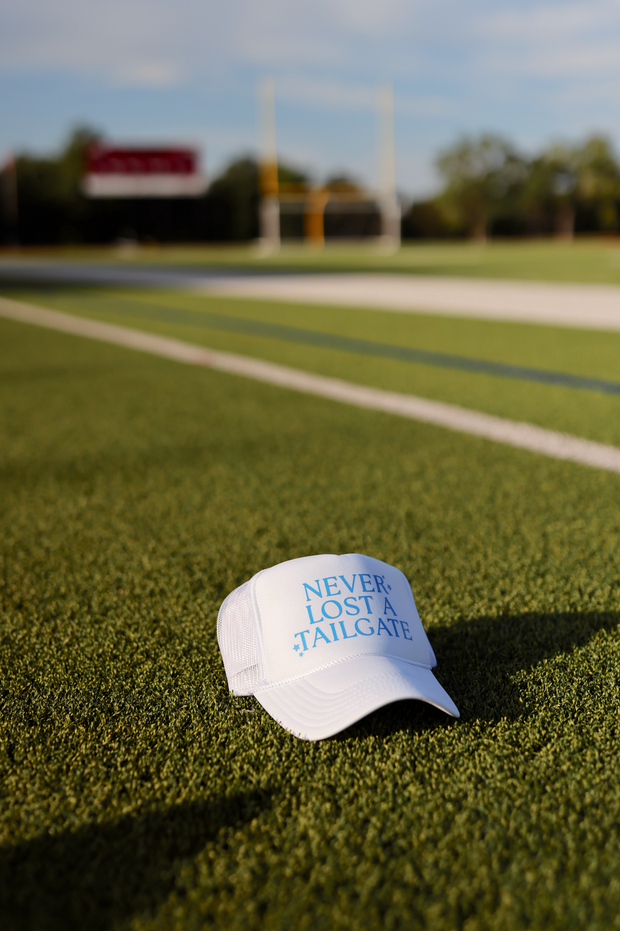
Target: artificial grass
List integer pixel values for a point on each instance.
(581, 412)
(589, 259)
(137, 793)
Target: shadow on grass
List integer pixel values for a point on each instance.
(101, 875)
(477, 658)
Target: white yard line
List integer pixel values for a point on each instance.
(523, 435)
(570, 305)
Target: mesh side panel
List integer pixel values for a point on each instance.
(236, 635)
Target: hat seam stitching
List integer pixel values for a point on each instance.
(258, 623)
(336, 662)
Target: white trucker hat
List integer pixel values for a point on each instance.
(322, 641)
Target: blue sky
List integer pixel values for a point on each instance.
(156, 70)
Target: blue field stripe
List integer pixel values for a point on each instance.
(297, 335)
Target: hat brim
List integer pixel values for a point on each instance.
(327, 700)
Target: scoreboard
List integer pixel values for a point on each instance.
(142, 171)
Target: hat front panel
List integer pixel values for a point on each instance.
(317, 610)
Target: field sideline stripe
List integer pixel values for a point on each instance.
(303, 337)
(367, 347)
(522, 435)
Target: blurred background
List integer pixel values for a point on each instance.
(505, 116)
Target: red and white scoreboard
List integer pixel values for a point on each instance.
(143, 171)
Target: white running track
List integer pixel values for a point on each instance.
(594, 307)
(587, 306)
(523, 435)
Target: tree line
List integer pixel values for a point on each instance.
(489, 188)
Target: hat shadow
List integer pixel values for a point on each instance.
(477, 659)
(101, 875)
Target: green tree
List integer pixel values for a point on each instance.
(564, 178)
(232, 199)
(342, 184)
(424, 219)
(51, 206)
(232, 202)
(483, 180)
(292, 180)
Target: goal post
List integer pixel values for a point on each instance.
(388, 201)
(315, 199)
(269, 210)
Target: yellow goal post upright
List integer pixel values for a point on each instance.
(269, 209)
(388, 201)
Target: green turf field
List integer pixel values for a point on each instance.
(136, 492)
(584, 353)
(585, 259)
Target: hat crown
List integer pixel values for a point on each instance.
(315, 611)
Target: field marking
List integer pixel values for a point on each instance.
(585, 306)
(230, 323)
(500, 430)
